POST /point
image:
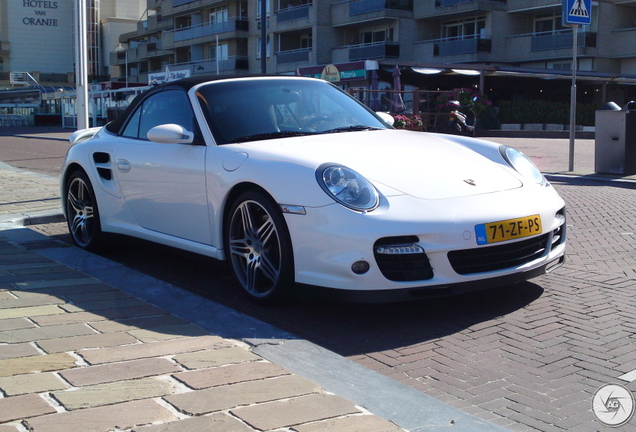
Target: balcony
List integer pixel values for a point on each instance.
(533, 47)
(212, 66)
(448, 8)
(533, 6)
(352, 13)
(444, 48)
(623, 44)
(366, 6)
(561, 40)
(158, 22)
(293, 56)
(122, 57)
(293, 13)
(445, 3)
(185, 36)
(151, 49)
(376, 50)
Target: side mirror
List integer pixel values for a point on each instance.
(170, 134)
(386, 117)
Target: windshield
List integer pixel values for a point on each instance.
(251, 109)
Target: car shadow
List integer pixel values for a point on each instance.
(347, 329)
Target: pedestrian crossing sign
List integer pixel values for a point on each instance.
(577, 12)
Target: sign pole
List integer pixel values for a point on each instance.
(81, 66)
(263, 37)
(573, 96)
(575, 13)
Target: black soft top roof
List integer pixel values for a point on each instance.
(185, 84)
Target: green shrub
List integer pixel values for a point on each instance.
(538, 111)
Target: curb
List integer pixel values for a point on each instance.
(36, 218)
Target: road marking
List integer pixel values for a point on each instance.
(629, 376)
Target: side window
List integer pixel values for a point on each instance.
(171, 106)
(132, 128)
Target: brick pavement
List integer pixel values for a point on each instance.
(77, 354)
(532, 368)
(536, 368)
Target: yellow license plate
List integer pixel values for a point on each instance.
(510, 229)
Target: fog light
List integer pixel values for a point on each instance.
(360, 267)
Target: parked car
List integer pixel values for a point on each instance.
(293, 182)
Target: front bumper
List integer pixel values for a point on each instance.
(328, 240)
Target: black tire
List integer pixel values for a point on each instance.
(82, 214)
(258, 248)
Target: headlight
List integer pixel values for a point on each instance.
(347, 187)
(521, 164)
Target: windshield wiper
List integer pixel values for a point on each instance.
(352, 129)
(271, 135)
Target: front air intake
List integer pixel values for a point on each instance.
(401, 259)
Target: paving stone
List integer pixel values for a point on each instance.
(17, 350)
(232, 374)
(15, 324)
(213, 423)
(221, 398)
(112, 393)
(150, 322)
(119, 371)
(168, 333)
(295, 411)
(22, 407)
(26, 299)
(30, 311)
(45, 333)
(45, 284)
(157, 349)
(92, 306)
(107, 314)
(68, 318)
(31, 383)
(358, 423)
(80, 296)
(217, 357)
(41, 363)
(101, 419)
(89, 341)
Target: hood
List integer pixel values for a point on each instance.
(421, 165)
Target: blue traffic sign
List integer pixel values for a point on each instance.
(577, 12)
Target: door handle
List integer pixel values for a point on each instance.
(123, 165)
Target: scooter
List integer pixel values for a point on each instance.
(460, 123)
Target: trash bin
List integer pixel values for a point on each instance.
(615, 144)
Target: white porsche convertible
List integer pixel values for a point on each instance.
(294, 182)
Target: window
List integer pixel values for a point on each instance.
(469, 28)
(376, 35)
(219, 52)
(219, 15)
(548, 24)
(306, 41)
(170, 106)
(259, 7)
(258, 48)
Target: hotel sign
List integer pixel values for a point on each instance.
(38, 13)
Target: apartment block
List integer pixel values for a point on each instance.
(197, 33)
